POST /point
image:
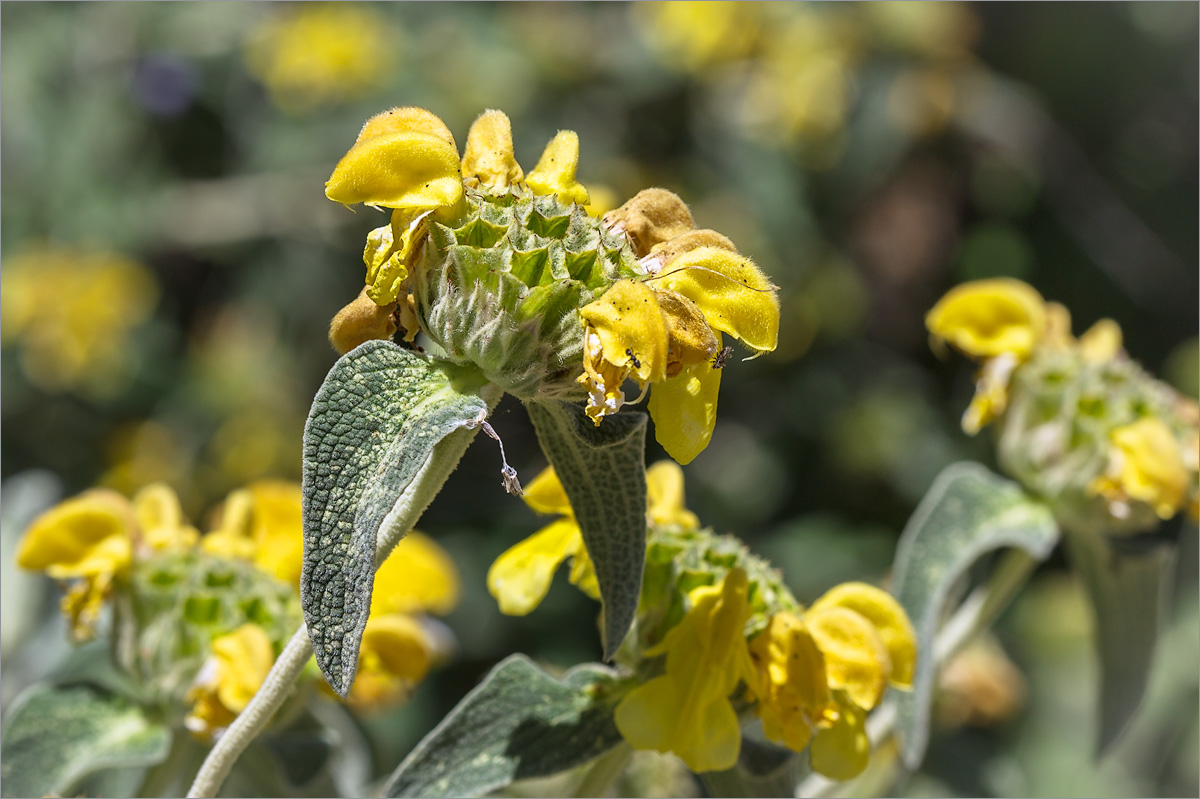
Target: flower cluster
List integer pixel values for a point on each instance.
(1077, 420)
(199, 619)
(72, 315)
(718, 633)
(506, 271)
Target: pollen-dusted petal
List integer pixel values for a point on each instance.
(545, 494)
(664, 497)
(842, 751)
(684, 410)
(243, 659)
(732, 292)
(631, 327)
(1102, 342)
(489, 157)
(985, 318)
(407, 169)
(1146, 464)
(856, 659)
(418, 576)
(663, 253)
(82, 537)
(555, 170)
(520, 577)
(690, 340)
(361, 320)
(882, 610)
(651, 217)
(406, 119)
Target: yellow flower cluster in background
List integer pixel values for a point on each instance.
(99, 540)
(810, 675)
(314, 54)
(72, 315)
(1147, 433)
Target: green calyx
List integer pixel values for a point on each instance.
(174, 604)
(501, 289)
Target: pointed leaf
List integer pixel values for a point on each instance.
(55, 736)
(1128, 592)
(602, 469)
(967, 512)
(373, 428)
(517, 724)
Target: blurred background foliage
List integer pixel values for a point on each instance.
(170, 266)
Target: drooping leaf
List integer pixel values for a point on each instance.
(1127, 592)
(602, 469)
(370, 470)
(56, 736)
(517, 724)
(967, 512)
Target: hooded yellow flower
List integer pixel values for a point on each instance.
(520, 577)
(233, 673)
(1146, 464)
(262, 523)
(687, 710)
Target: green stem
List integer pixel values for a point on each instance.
(604, 771)
(975, 614)
(282, 677)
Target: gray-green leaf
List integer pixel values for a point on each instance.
(374, 425)
(602, 469)
(517, 724)
(967, 512)
(55, 736)
(1127, 591)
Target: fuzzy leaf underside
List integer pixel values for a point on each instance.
(518, 723)
(967, 512)
(56, 736)
(602, 469)
(1127, 591)
(373, 425)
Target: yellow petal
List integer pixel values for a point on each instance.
(417, 576)
(1057, 334)
(233, 537)
(545, 494)
(664, 495)
(278, 528)
(882, 610)
(403, 158)
(520, 577)
(396, 644)
(988, 317)
(856, 659)
(664, 252)
(684, 410)
(1146, 464)
(555, 170)
(631, 327)
(82, 537)
(991, 392)
(583, 572)
(243, 659)
(793, 690)
(489, 156)
(690, 340)
(732, 293)
(1102, 341)
(842, 751)
(160, 519)
(649, 218)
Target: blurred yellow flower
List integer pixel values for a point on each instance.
(309, 55)
(793, 691)
(521, 576)
(262, 523)
(986, 318)
(687, 710)
(417, 577)
(396, 654)
(1145, 464)
(233, 673)
(72, 313)
(694, 35)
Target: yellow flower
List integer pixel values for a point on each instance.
(262, 523)
(1145, 464)
(555, 170)
(418, 576)
(396, 654)
(315, 54)
(160, 519)
(489, 160)
(687, 710)
(793, 694)
(666, 329)
(986, 318)
(842, 751)
(233, 673)
(521, 576)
